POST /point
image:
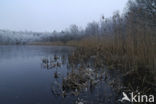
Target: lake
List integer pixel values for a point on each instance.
(25, 78)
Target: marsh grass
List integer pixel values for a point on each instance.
(128, 56)
(135, 53)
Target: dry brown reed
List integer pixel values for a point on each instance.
(136, 51)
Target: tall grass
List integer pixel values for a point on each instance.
(131, 51)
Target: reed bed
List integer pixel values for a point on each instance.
(135, 53)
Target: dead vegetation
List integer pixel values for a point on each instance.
(127, 43)
(131, 51)
(128, 57)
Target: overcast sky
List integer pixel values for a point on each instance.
(49, 15)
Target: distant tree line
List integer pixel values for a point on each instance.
(140, 16)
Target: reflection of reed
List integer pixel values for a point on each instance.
(82, 74)
(53, 62)
(140, 79)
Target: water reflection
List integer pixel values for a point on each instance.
(53, 62)
(22, 78)
(45, 75)
(81, 81)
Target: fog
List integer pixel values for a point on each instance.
(49, 15)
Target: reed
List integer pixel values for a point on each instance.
(133, 53)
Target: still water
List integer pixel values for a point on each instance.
(25, 79)
(22, 79)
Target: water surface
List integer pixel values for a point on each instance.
(25, 78)
(22, 79)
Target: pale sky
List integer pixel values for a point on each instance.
(49, 15)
